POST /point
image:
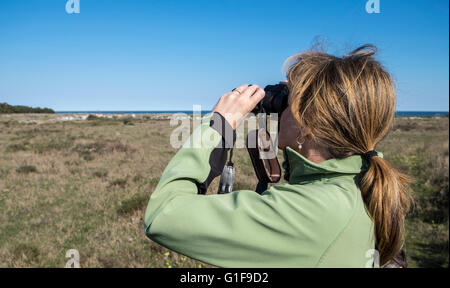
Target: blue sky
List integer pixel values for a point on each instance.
(169, 55)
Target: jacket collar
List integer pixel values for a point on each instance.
(298, 169)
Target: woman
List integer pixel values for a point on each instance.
(342, 200)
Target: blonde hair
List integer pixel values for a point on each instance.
(348, 103)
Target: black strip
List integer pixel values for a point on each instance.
(221, 125)
(370, 154)
(218, 156)
(286, 166)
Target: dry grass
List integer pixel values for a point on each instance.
(420, 148)
(85, 184)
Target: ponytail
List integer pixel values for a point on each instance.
(385, 193)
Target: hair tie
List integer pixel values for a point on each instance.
(370, 154)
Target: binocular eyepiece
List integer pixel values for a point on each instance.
(275, 100)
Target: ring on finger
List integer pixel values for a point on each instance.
(235, 90)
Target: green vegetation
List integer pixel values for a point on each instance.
(25, 252)
(420, 148)
(9, 109)
(26, 169)
(135, 203)
(121, 182)
(85, 185)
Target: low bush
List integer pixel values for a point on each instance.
(26, 169)
(135, 203)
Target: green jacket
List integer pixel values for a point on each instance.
(317, 220)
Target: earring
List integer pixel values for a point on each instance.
(300, 144)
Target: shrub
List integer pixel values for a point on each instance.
(135, 203)
(88, 157)
(8, 109)
(100, 174)
(138, 178)
(26, 169)
(57, 144)
(153, 181)
(28, 251)
(101, 147)
(95, 120)
(4, 172)
(17, 147)
(85, 150)
(72, 163)
(120, 182)
(92, 117)
(127, 122)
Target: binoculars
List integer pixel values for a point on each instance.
(259, 143)
(275, 100)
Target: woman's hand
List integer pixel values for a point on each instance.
(233, 106)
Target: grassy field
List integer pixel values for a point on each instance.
(84, 184)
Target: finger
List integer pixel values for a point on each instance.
(240, 89)
(255, 98)
(250, 91)
(258, 95)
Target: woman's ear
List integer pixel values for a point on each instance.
(305, 132)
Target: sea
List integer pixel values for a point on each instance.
(398, 113)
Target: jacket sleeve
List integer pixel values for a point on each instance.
(239, 229)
